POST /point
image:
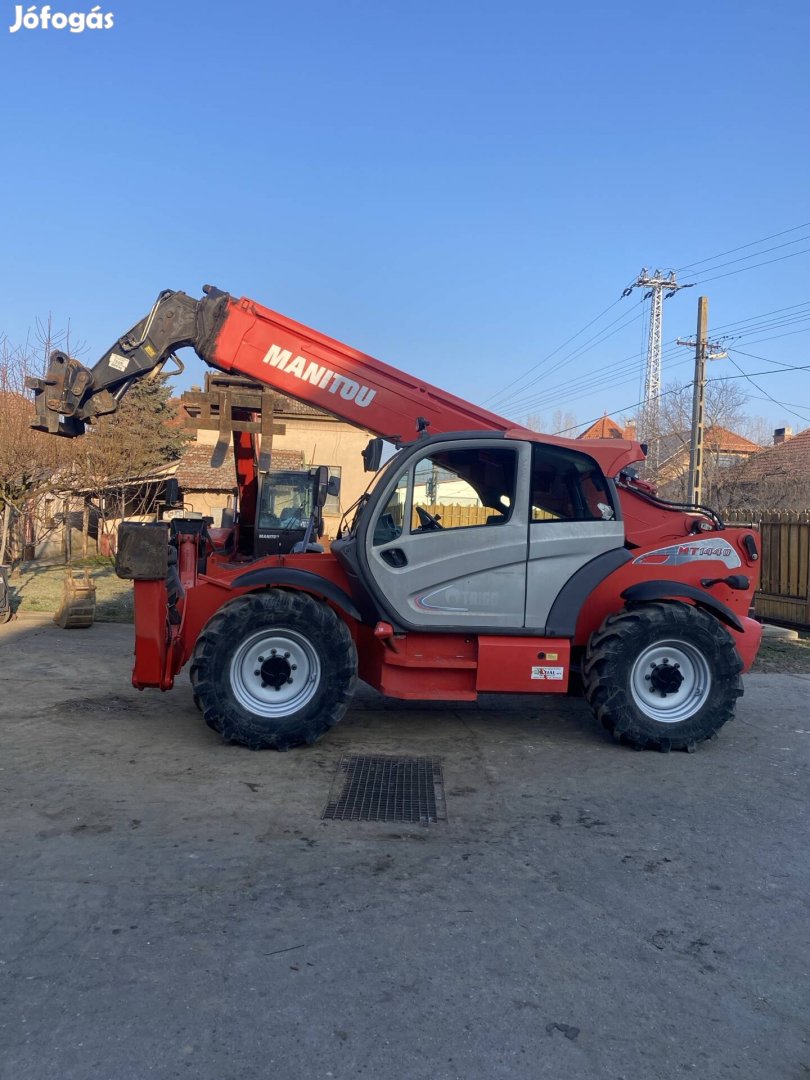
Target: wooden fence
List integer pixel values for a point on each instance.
(455, 517)
(784, 589)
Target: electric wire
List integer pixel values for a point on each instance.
(776, 337)
(610, 374)
(767, 359)
(573, 337)
(764, 315)
(515, 395)
(676, 389)
(743, 269)
(599, 338)
(782, 404)
(753, 255)
(742, 247)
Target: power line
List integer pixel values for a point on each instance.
(573, 337)
(756, 385)
(754, 266)
(764, 325)
(577, 395)
(742, 247)
(767, 359)
(776, 337)
(677, 389)
(764, 315)
(610, 374)
(753, 255)
(580, 350)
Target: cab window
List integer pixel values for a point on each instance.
(567, 486)
(451, 489)
(464, 488)
(390, 522)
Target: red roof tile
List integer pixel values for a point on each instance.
(722, 440)
(606, 428)
(196, 473)
(790, 458)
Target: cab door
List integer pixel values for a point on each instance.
(447, 544)
(574, 518)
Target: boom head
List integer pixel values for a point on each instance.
(70, 395)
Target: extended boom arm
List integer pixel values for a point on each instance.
(244, 337)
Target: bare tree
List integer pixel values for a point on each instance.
(561, 422)
(31, 462)
(724, 408)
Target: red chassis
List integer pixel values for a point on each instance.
(421, 666)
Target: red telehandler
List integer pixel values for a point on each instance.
(564, 572)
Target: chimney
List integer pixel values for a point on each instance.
(781, 435)
(630, 431)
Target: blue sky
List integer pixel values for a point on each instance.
(455, 188)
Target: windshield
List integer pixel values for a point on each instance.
(286, 500)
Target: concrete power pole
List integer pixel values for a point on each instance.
(702, 354)
(661, 286)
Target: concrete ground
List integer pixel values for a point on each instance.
(174, 907)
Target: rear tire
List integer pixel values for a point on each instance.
(662, 676)
(274, 670)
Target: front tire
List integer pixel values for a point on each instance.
(662, 676)
(274, 670)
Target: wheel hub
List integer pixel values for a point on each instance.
(276, 670)
(665, 678)
(670, 681)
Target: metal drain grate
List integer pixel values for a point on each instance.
(387, 789)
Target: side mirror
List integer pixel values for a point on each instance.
(320, 485)
(171, 493)
(372, 455)
(333, 487)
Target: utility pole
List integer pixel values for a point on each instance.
(661, 286)
(703, 352)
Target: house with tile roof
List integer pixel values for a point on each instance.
(778, 477)
(724, 451)
(303, 437)
(607, 428)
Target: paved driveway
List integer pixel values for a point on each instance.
(173, 907)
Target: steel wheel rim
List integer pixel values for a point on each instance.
(652, 686)
(286, 663)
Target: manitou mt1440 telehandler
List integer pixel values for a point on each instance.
(563, 571)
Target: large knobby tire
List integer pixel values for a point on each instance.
(662, 676)
(274, 670)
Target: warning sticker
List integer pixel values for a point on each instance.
(120, 363)
(544, 672)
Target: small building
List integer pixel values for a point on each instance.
(778, 477)
(303, 437)
(607, 428)
(724, 452)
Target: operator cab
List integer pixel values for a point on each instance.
(289, 515)
(284, 509)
